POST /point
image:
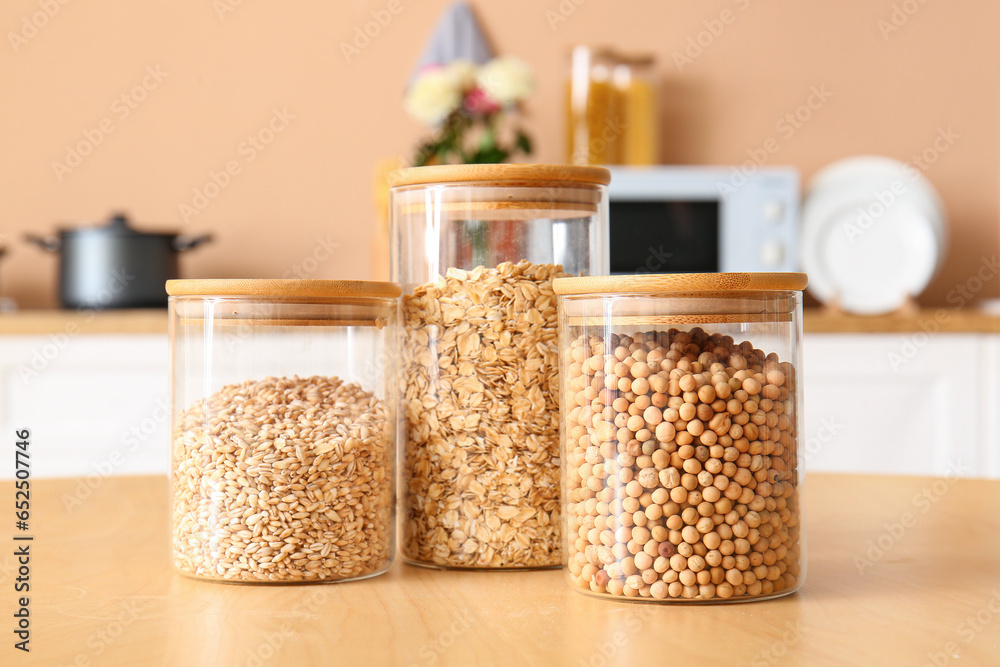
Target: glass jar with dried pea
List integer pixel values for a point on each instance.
(680, 417)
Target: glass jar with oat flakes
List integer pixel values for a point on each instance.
(475, 248)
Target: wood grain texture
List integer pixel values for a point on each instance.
(681, 283)
(504, 210)
(377, 322)
(282, 288)
(103, 593)
(667, 321)
(530, 175)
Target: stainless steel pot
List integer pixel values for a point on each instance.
(115, 265)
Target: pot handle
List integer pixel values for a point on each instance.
(182, 243)
(50, 243)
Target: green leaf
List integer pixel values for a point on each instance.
(453, 142)
(489, 139)
(424, 153)
(523, 142)
(490, 156)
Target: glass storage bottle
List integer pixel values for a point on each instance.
(680, 422)
(594, 120)
(636, 86)
(475, 248)
(284, 396)
(611, 108)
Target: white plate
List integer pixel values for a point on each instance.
(873, 234)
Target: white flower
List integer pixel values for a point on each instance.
(433, 96)
(463, 72)
(506, 79)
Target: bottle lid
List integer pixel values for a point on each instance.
(283, 303)
(673, 283)
(510, 175)
(693, 298)
(279, 288)
(499, 191)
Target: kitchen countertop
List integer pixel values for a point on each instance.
(815, 320)
(901, 570)
(947, 320)
(41, 322)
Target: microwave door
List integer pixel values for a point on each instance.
(665, 236)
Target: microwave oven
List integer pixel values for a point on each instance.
(699, 219)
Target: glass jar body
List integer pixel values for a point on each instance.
(480, 460)
(283, 452)
(681, 416)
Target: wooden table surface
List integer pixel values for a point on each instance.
(901, 571)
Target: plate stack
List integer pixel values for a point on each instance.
(874, 234)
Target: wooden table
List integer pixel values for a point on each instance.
(901, 571)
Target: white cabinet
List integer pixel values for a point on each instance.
(990, 417)
(96, 405)
(874, 403)
(901, 403)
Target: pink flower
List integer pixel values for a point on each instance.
(478, 101)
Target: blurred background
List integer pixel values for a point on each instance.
(271, 127)
(304, 104)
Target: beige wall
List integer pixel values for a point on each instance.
(225, 76)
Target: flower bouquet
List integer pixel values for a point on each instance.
(470, 108)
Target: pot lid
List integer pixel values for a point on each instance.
(117, 225)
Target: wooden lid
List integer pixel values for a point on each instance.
(286, 288)
(530, 175)
(681, 283)
(504, 210)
